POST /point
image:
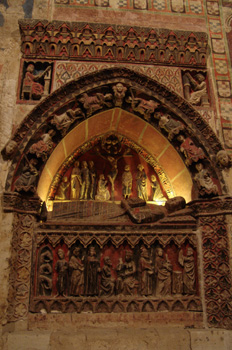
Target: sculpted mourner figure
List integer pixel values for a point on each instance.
(143, 272)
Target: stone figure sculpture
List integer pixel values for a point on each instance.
(130, 284)
(126, 182)
(85, 180)
(103, 193)
(27, 180)
(204, 181)
(31, 84)
(157, 194)
(195, 90)
(141, 183)
(189, 277)
(146, 271)
(120, 276)
(107, 286)
(171, 126)
(43, 146)
(223, 159)
(93, 178)
(63, 121)
(144, 107)
(45, 272)
(191, 152)
(93, 103)
(10, 147)
(61, 193)
(62, 273)
(75, 181)
(92, 270)
(76, 268)
(119, 94)
(163, 272)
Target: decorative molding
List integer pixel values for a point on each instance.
(20, 267)
(93, 42)
(15, 202)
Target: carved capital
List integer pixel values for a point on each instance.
(15, 202)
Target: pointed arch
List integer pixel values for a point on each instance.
(94, 103)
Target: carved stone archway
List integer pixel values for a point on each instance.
(97, 92)
(152, 118)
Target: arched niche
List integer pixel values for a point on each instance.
(122, 101)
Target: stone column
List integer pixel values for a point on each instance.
(213, 217)
(26, 212)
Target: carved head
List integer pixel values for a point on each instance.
(127, 167)
(10, 147)
(119, 88)
(84, 164)
(189, 251)
(128, 255)
(160, 252)
(76, 164)
(140, 167)
(76, 251)
(60, 254)
(92, 251)
(144, 252)
(107, 261)
(200, 77)
(199, 166)
(30, 67)
(223, 159)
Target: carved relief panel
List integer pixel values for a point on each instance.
(84, 271)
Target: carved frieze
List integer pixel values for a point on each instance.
(94, 42)
(121, 271)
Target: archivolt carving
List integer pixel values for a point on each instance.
(78, 100)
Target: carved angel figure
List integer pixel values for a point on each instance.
(205, 184)
(144, 107)
(27, 180)
(191, 152)
(62, 122)
(96, 102)
(173, 127)
(43, 146)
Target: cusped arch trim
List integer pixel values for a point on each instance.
(99, 86)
